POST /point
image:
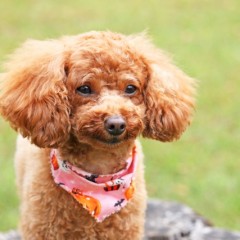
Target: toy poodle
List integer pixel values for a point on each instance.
(79, 103)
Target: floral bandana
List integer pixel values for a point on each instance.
(101, 195)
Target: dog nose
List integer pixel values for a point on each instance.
(115, 125)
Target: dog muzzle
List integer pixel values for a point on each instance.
(100, 195)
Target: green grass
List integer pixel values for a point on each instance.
(202, 169)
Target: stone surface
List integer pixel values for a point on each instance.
(11, 235)
(170, 221)
(175, 221)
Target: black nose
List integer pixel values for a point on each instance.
(115, 125)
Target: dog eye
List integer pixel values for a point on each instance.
(130, 89)
(84, 90)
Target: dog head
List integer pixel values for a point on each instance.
(101, 88)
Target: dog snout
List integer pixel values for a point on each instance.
(115, 125)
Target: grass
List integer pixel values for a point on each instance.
(202, 169)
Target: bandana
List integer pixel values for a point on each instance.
(100, 195)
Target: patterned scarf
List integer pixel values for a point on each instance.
(101, 195)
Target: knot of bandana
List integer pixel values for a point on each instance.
(100, 195)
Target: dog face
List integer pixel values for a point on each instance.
(101, 88)
(106, 94)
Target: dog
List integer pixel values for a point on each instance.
(79, 103)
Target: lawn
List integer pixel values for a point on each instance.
(202, 168)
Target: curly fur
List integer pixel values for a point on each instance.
(38, 97)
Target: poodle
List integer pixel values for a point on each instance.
(79, 103)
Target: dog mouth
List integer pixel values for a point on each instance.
(106, 141)
(108, 135)
(114, 141)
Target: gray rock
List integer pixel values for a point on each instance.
(11, 235)
(175, 221)
(170, 221)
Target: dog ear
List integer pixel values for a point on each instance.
(169, 102)
(169, 94)
(33, 95)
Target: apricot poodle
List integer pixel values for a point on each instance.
(79, 103)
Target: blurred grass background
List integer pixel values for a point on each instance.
(202, 169)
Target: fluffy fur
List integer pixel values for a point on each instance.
(39, 96)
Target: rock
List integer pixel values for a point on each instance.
(175, 221)
(11, 235)
(170, 221)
